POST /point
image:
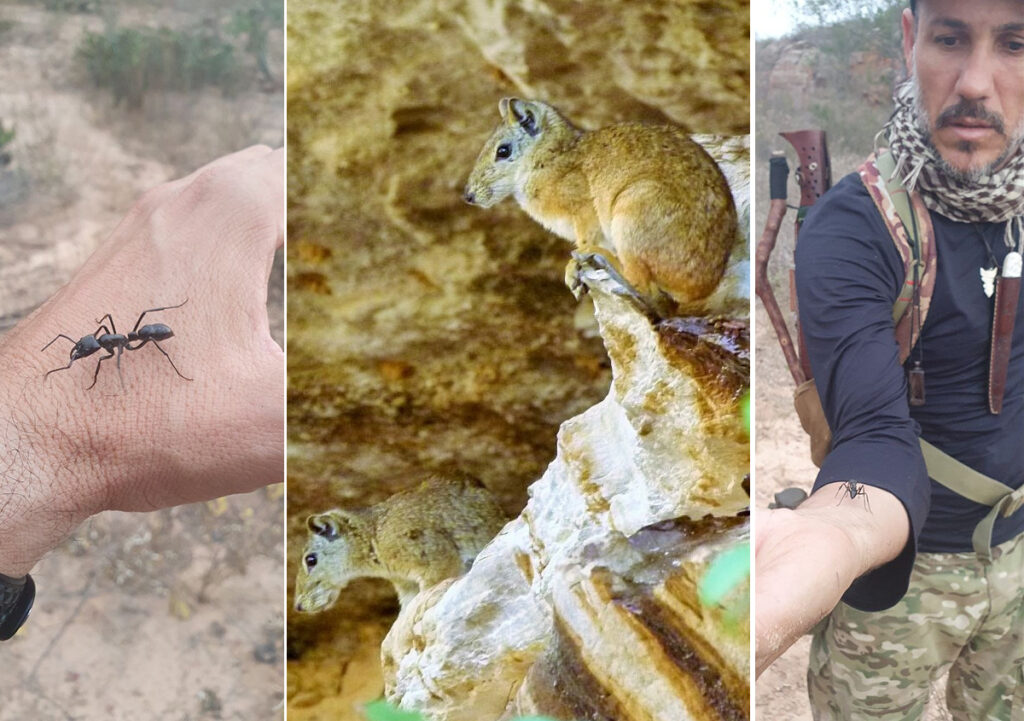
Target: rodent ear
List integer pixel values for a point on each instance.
(522, 113)
(327, 525)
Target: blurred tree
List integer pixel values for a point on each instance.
(6, 136)
(255, 21)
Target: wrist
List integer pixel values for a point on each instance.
(876, 528)
(47, 480)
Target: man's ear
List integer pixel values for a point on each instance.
(909, 26)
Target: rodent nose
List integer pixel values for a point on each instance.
(469, 196)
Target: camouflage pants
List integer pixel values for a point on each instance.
(959, 615)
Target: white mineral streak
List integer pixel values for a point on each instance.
(732, 153)
(458, 652)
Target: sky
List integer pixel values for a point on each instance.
(771, 18)
(775, 18)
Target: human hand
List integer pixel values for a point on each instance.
(805, 559)
(67, 452)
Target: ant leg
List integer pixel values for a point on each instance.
(169, 359)
(112, 328)
(97, 373)
(119, 376)
(867, 501)
(59, 335)
(154, 310)
(58, 369)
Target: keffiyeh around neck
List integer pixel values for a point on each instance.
(990, 198)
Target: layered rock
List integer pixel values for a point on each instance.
(574, 594)
(631, 647)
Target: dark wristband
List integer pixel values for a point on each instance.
(16, 597)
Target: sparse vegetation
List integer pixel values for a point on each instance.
(832, 74)
(6, 135)
(255, 22)
(849, 67)
(131, 62)
(72, 6)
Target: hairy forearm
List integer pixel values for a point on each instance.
(807, 558)
(45, 457)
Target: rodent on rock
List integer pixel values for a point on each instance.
(415, 539)
(646, 197)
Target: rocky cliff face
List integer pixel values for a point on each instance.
(424, 335)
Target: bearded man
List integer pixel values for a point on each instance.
(921, 594)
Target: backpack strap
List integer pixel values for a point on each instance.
(977, 487)
(910, 226)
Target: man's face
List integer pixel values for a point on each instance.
(968, 61)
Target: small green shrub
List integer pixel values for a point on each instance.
(6, 135)
(381, 710)
(131, 62)
(72, 6)
(255, 21)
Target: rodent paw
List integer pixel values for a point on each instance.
(574, 276)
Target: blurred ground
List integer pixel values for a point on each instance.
(175, 614)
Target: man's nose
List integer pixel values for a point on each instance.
(977, 74)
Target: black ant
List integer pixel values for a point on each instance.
(110, 340)
(853, 489)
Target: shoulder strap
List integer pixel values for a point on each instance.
(911, 229)
(910, 226)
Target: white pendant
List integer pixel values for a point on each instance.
(1012, 265)
(988, 281)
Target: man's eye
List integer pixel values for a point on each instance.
(310, 561)
(948, 41)
(504, 151)
(1015, 46)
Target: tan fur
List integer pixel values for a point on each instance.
(648, 198)
(415, 539)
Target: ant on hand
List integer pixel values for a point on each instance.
(853, 489)
(115, 343)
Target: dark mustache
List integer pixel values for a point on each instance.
(971, 109)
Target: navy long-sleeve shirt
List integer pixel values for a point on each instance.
(848, 276)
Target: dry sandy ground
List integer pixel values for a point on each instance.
(172, 615)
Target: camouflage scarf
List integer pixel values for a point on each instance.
(989, 198)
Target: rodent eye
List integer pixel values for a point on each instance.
(310, 561)
(504, 151)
